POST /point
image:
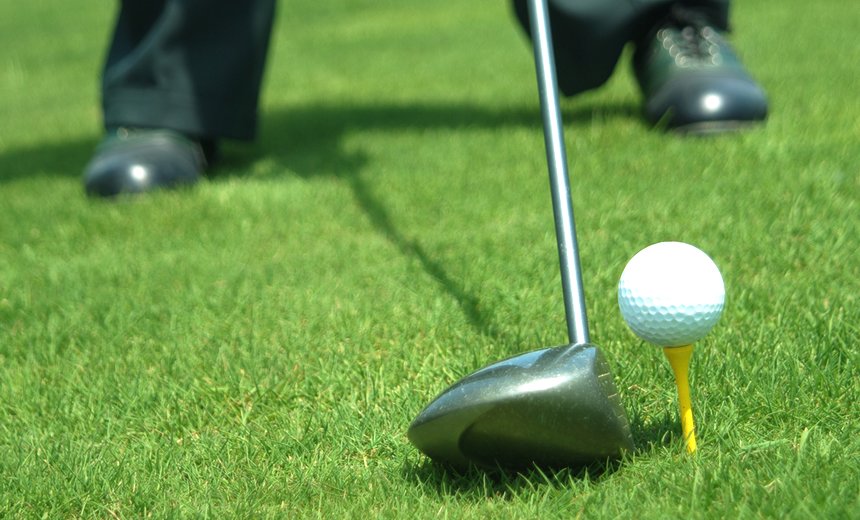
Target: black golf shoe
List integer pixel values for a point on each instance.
(693, 81)
(129, 161)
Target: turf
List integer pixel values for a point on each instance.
(256, 346)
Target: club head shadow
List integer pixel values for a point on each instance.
(555, 407)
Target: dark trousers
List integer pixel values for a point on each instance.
(589, 35)
(189, 65)
(196, 66)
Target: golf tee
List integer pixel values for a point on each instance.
(679, 359)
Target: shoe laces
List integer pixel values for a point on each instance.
(692, 44)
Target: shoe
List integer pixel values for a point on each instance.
(131, 161)
(693, 81)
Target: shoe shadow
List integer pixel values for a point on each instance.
(308, 140)
(61, 159)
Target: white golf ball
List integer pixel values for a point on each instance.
(671, 294)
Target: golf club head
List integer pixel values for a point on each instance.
(555, 407)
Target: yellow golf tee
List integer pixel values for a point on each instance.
(679, 359)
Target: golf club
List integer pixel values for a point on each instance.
(553, 407)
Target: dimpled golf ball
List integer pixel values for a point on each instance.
(671, 294)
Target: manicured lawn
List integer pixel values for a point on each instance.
(257, 346)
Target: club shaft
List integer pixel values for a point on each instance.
(568, 249)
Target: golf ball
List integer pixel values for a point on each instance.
(671, 294)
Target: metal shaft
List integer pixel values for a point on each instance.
(568, 250)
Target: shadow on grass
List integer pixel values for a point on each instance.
(385, 225)
(309, 141)
(658, 432)
(477, 484)
(62, 159)
(474, 483)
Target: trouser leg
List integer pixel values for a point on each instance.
(589, 35)
(194, 66)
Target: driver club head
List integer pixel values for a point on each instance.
(555, 407)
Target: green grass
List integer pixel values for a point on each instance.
(257, 346)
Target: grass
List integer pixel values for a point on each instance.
(257, 346)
